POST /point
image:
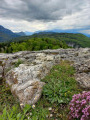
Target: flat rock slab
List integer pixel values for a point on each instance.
(24, 80)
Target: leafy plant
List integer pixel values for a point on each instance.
(28, 112)
(18, 63)
(26, 108)
(12, 114)
(39, 113)
(60, 84)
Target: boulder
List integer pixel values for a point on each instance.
(24, 80)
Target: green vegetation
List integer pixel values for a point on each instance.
(60, 84)
(58, 91)
(77, 39)
(43, 41)
(18, 63)
(33, 44)
(28, 113)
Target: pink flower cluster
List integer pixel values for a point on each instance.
(80, 107)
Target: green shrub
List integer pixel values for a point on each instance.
(18, 63)
(60, 84)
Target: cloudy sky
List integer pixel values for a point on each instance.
(35, 15)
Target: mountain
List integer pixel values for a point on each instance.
(73, 39)
(21, 33)
(28, 33)
(82, 31)
(6, 34)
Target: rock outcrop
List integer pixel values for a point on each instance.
(24, 80)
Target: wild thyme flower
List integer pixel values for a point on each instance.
(80, 106)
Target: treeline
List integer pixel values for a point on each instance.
(4, 46)
(32, 44)
(78, 39)
(43, 41)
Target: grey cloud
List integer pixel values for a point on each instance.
(43, 10)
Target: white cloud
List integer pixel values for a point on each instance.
(34, 15)
(21, 25)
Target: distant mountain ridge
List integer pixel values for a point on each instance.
(72, 39)
(28, 33)
(21, 33)
(7, 35)
(77, 31)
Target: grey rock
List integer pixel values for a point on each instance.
(1, 70)
(25, 79)
(84, 80)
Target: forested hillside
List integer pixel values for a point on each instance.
(77, 39)
(32, 44)
(45, 40)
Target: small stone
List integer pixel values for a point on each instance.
(30, 113)
(51, 115)
(50, 108)
(46, 116)
(28, 118)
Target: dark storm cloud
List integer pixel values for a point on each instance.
(44, 10)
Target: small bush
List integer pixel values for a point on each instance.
(80, 107)
(18, 63)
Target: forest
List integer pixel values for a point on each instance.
(44, 40)
(32, 44)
